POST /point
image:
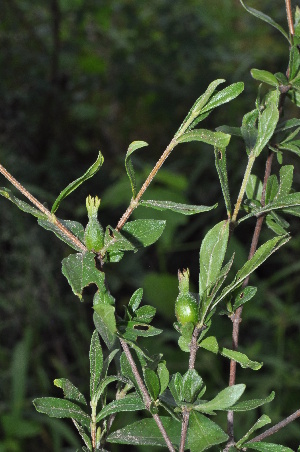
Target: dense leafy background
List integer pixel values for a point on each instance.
(78, 76)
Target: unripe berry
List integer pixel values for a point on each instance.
(94, 233)
(186, 306)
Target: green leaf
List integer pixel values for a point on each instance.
(210, 343)
(285, 202)
(21, 204)
(114, 241)
(224, 96)
(164, 376)
(261, 422)
(135, 300)
(212, 253)
(128, 164)
(51, 226)
(285, 125)
(146, 433)
(220, 162)
(152, 383)
(70, 391)
(265, 18)
(132, 329)
(264, 76)
(105, 322)
(131, 402)
(103, 384)
(224, 400)
(144, 314)
(185, 209)
(191, 385)
(96, 363)
(267, 122)
(236, 131)
(254, 187)
(61, 408)
(263, 252)
(81, 271)
(127, 372)
(286, 180)
(243, 295)
(143, 232)
(217, 139)
(249, 129)
(248, 405)
(176, 387)
(203, 433)
(271, 188)
(76, 183)
(294, 64)
(240, 358)
(267, 447)
(197, 107)
(83, 435)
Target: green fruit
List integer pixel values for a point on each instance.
(186, 308)
(94, 233)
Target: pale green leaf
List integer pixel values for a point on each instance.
(267, 447)
(240, 358)
(264, 76)
(217, 139)
(24, 206)
(267, 122)
(143, 232)
(261, 422)
(225, 95)
(131, 402)
(220, 162)
(96, 363)
(224, 400)
(185, 209)
(248, 405)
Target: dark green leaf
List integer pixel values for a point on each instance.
(163, 375)
(240, 358)
(220, 162)
(76, 183)
(70, 391)
(131, 402)
(271, 188)
(224, 400)
(243, 295)
(146, 433)
(224, 96)
(254, 187)
(105, 322)
(252, 404)
(114, 241)
(145, 314)
(61, 408)
(96, 363)
(152, 383)
(191, 385)
(217, 139)
(285, 125)
(83, 435)
(210, 343)
(286, 180)
(103, 384)
(265, 18)
(128, 164)
(291, 200)
(203, 433)
(132, 329)
(135, 300)
(51, 226)
(294, 64)
(21, 204)
(264, 76)
(126, 370)
(185, 209)
(249, 129)
(143, 232)
(236, 131)
(176, 387)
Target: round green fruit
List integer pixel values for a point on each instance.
(186, 308)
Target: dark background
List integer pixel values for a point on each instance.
(78, 76)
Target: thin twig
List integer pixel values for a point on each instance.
(276, 427)
(146, 396)
(51, 217)
(237, 316)
(289, 16)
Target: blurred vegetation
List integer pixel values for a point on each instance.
(78, 76)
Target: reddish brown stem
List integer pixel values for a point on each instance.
(289, 16)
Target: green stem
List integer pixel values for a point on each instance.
(251, 161)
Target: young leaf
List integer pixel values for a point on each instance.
(143, 232)
(248, 405)
(267, 122)
(264, 76)
(265, 18)
(217, 139)
(203, 433)
(76, 183)
(240, 358)
(224, 400)
(96, 363)
(61, 408)
(128, 164)
(146, 433)
(21, 204)
(267, 447)
(70, 391)
(261, 422)
(210, 343)
(131, 402)
(224, 96)
(212, 253)
(220, 162)
(185, 209)
(152, 382)
(144, 314)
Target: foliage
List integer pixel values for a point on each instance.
(127, 377)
